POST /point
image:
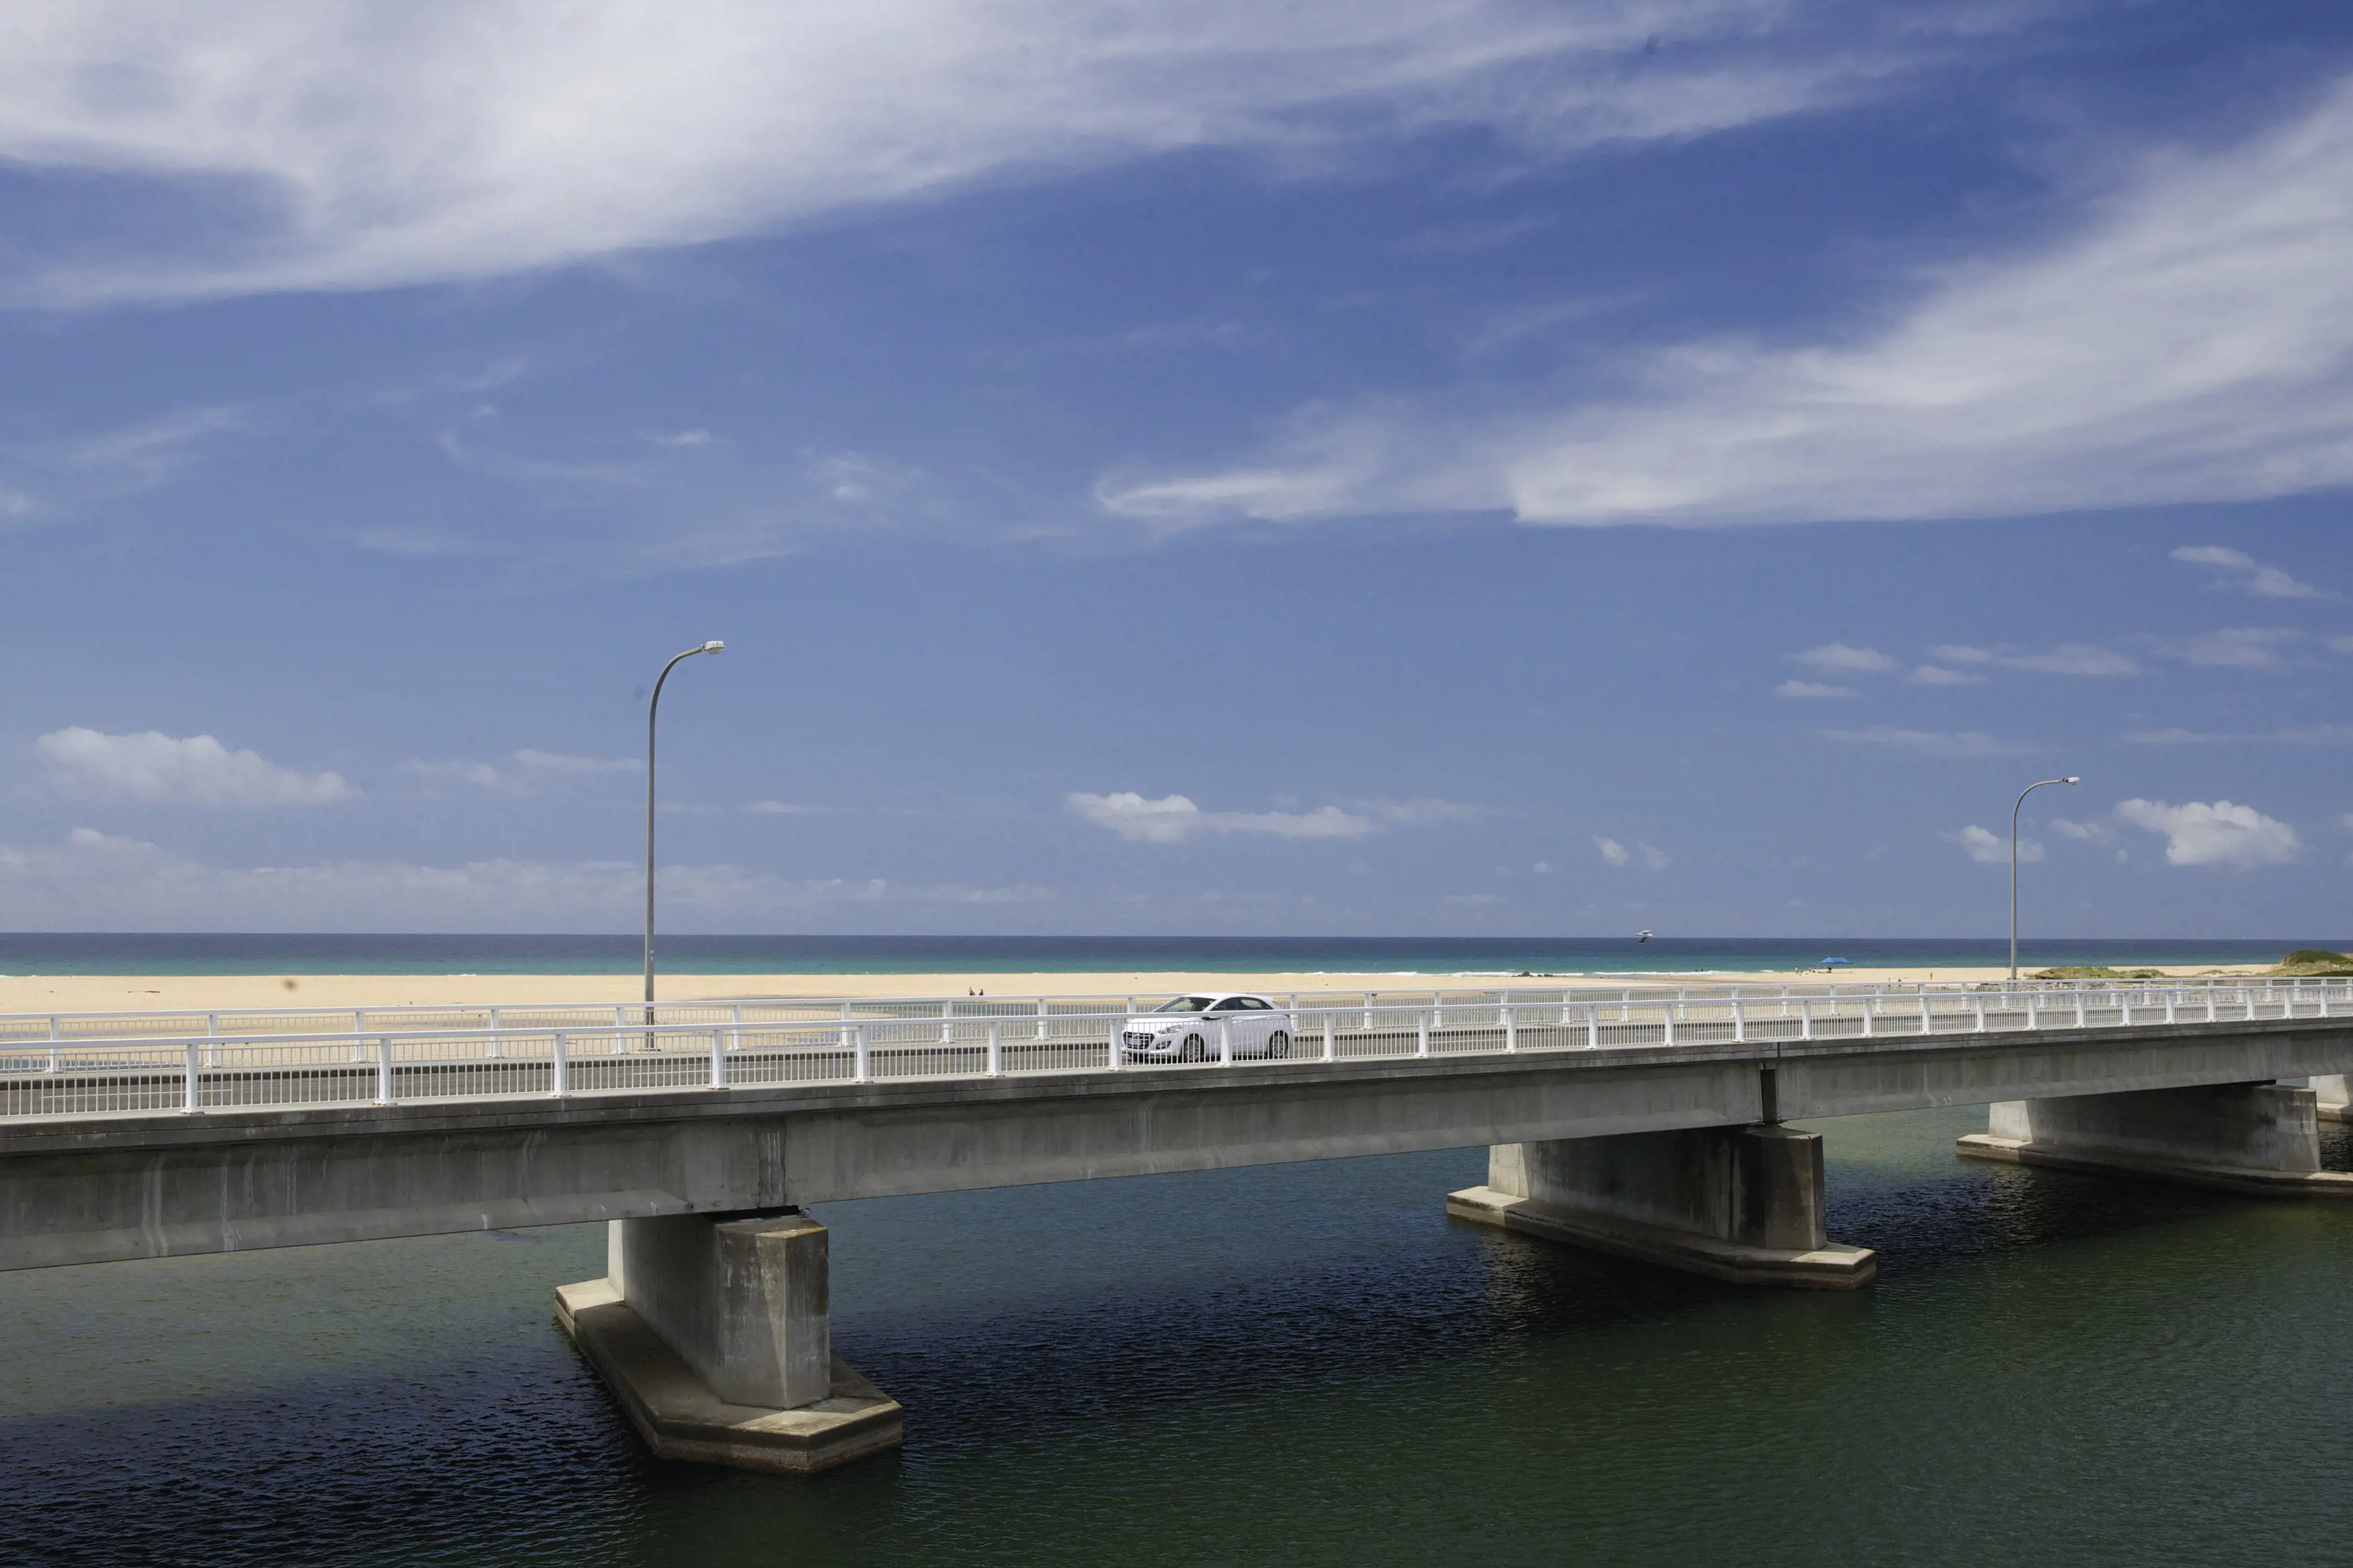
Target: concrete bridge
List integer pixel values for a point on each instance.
(1650, 1126)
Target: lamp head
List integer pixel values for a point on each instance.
(2070, 781)
(721, 647)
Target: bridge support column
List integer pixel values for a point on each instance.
(1742, 1203)
(712, 1331)
(2334, 1095)
(2249, 1137)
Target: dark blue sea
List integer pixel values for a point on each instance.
(273, 953)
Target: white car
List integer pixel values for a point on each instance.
(1193, 1029)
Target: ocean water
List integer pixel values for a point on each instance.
(1292, 1365)
(264, 953)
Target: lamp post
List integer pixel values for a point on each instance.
(652, 708)
(2030, 789)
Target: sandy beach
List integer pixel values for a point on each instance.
(79, 994)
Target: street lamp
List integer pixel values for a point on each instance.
(2030, 789)
(653, 707)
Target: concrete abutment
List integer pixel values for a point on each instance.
(714, 1332)
(2261, 1138)
(1738, 1204)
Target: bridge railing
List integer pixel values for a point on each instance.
(961, 1018)
(196, 1074)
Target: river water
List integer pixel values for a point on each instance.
(1297, 1365)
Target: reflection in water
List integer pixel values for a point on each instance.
(1305, 1364)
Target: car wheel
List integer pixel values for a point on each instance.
(1194, 1051)
(1278, 1044)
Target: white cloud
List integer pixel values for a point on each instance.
(1616, 854)
(2095, 832)
(1938, 675)
(2175, 736)
(557, 763)
(153, 768)
(1838, 656)
(2239, 570)
(1990, 848)
(480, 775)
(2236, 647)
(365, 146)
(781, 808)
(2067, 658)
(2191, 339)
(1173, 818)
(1422, 811)
(2221, 834)
(101, 881)
(1928, 743)
(1811, 688)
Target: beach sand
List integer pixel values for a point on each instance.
(109, 992)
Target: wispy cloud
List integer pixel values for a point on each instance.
(2198, 833)
(2067, 658)
(154, 769)
(2235, 648)
(390, 145)
(1838, 656)
(2191, 339)
(1928, 743)
(102, 882)
(1616, 854)
(1811, 688)
(2237, 569)
(1938, 675)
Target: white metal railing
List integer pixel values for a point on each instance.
(737, 1048)
(19, 1028)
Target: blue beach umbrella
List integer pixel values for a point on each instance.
(1833, 964)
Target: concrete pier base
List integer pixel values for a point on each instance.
(713, 1333)
(1737, 1203)
(2333, 1094)
(2259, 1138)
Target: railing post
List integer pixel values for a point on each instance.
(1421, 1036)
(1041, 1017)
(192, 1099)
(1928, 1017)
(561, 1076)
(1511, 1029)
(1225, 1042)
(719, 1058)
(2171, 1000)
(383, 1070)
(861, 1058)
(996, 1049)
(1977, 1006)
(1868, 998)
(1328, 1053)
(2033, 1010)
(1805, 1017)
(2079, 1007)
(1739, 1021)
(1673, 1008)
(1593, 1026)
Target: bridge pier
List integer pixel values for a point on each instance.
(1740, 1203)
(714, 1332)
(2332, 1090)
(2258, 1138)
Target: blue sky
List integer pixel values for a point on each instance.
(1439, 468)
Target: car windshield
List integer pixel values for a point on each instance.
(1185, 1004)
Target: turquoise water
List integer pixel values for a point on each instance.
(180, 954)
(1291, 1365)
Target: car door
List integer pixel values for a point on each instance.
(1256, 1026)
(1231, 1014)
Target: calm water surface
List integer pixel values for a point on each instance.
(1304, 1365)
